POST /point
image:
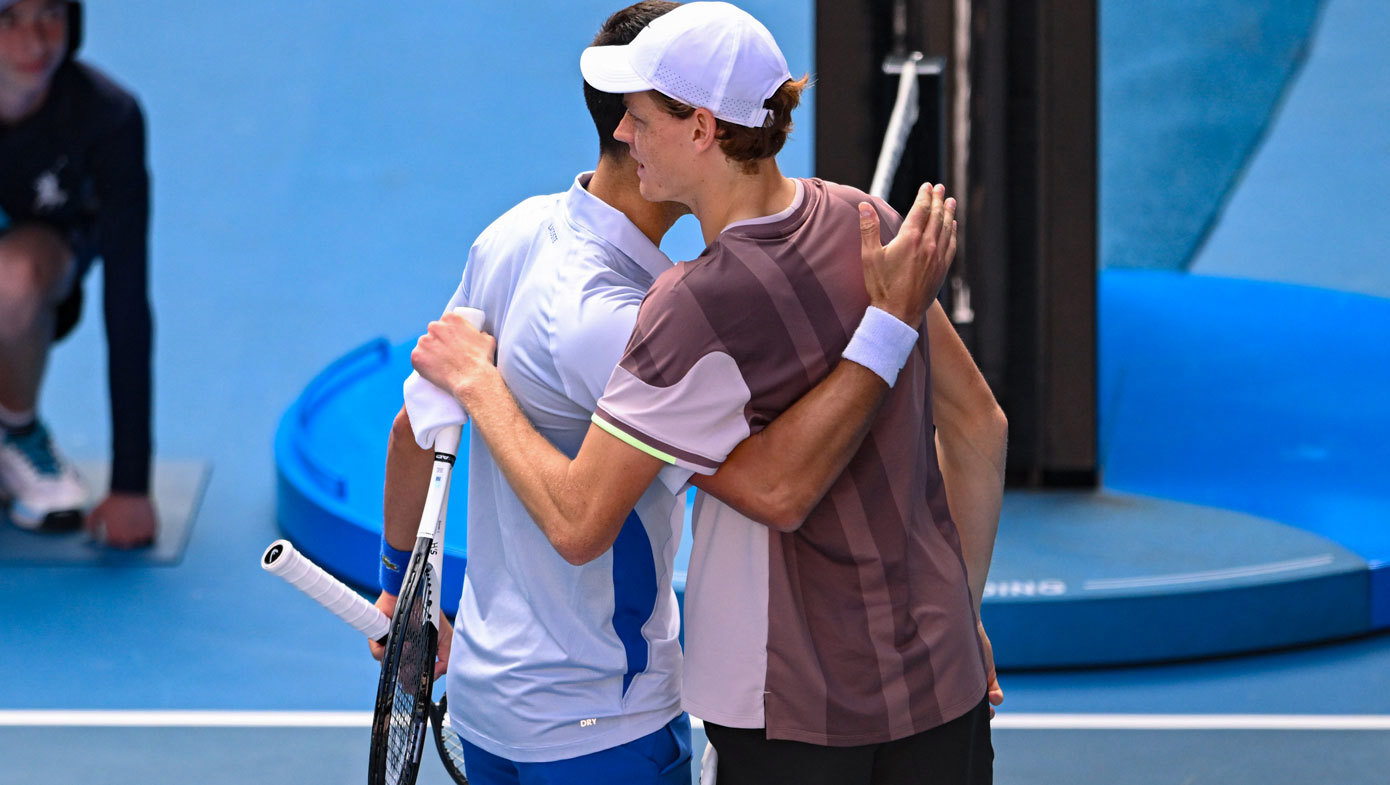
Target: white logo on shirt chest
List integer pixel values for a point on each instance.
(589, 723)
(48, 192)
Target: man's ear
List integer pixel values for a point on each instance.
(703, 130)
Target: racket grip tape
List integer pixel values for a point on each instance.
(446, 441)
(283, 560)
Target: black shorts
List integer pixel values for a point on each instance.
(957, 753)
(82, 244)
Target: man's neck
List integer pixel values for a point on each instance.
(615, 183)
(730, 195)
(16, 107)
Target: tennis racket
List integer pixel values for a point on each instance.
(407, 668)
(283, 560)
(448, 742)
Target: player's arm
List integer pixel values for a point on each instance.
(778, 475)
(407, 482)
(971, 438)
(579, 505)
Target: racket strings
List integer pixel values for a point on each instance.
(411, 655)
(412, 676)
(448, 743)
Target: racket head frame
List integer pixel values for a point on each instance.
(412, 596)
(452, 760)
(421, 585)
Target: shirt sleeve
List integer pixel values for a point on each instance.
(122, 187)
(678, 394)
(460, 298)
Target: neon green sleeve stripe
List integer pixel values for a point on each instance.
(627, 438)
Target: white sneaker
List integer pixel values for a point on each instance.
(46, 492)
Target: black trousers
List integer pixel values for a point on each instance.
(957, 753)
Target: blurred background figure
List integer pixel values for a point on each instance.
(73, 187)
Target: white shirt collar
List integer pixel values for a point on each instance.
(608, 223)
(775, 217)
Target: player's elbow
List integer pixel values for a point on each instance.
(786, 523)
(991, 425)
(771, 498)
(782, 508)
(983, 426)
(400, 428)
(994, 429)
(577, 553)
(577, 545)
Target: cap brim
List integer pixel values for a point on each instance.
(608, 68)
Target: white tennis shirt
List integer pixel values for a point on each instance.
(550, 660)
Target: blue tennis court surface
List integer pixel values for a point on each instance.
(178, 485)
(320, 169)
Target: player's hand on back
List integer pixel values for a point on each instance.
(123, 520)
(905, 277)
(454, 356)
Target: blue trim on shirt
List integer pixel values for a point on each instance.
(634, 592)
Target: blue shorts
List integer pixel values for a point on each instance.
(659, 758)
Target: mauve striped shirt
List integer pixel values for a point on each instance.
(858, 627)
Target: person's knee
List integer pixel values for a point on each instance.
(20, 294)
(34, 264)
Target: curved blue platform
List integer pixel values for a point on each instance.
(330, 466)
(1244, 436)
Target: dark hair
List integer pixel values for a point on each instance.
(744, 144)
(607, 109)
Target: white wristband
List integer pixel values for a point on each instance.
(881, 343)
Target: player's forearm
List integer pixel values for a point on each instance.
(971, 456)
(778, 475)
(407, 482)
(577, 523)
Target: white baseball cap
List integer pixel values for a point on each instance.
(710, 55)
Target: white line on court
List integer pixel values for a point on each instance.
(1005, 721)
(1192, 721)
(186, 719)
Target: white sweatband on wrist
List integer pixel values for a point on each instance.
(881, 343)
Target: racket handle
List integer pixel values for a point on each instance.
(283, 560)
(447, 440)
(473, 316)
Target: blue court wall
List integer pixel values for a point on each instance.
(1187, 91)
